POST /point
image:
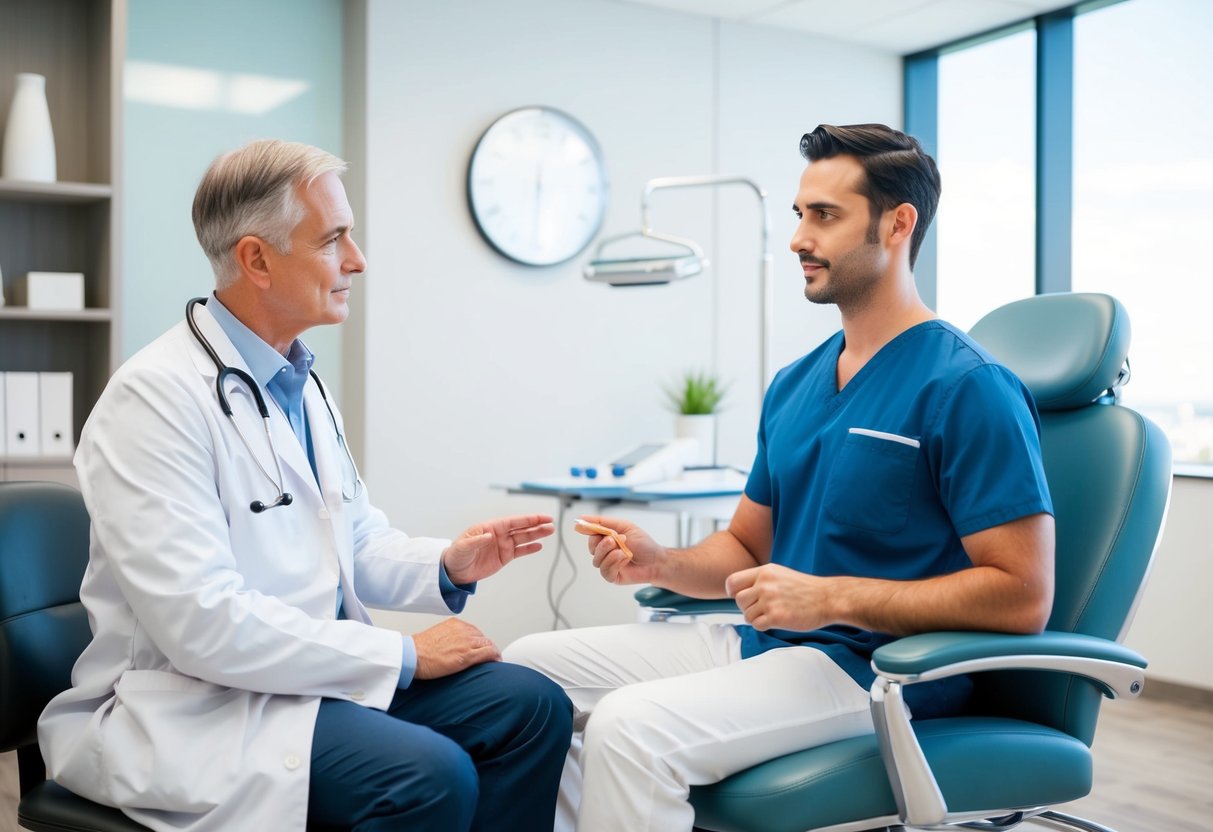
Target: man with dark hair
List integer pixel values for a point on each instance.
(897, 488)
(896, 170)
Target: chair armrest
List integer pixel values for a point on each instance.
(1117, 670)
(672, 603)
(921, 658)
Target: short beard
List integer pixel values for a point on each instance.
(853, 293)
(852, 279)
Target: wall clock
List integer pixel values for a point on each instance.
(537, 186)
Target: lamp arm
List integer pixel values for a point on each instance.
(708, 181)
(767, 323)
(766, 289)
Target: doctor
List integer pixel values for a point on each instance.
(235, 680)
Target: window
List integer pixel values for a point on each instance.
(987, 161)
(1143, 199)
(1128, 204)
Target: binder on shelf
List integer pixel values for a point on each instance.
(3, 433)
(21, 414)
(55, 414)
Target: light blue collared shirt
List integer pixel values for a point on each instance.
(284, 379)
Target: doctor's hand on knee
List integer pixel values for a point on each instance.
(451, 646)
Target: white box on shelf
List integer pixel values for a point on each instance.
(55, 414)
(21, 414)
(50, 290)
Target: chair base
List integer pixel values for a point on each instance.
(1049, 817)
(1067, 821)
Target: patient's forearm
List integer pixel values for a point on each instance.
(700, 571)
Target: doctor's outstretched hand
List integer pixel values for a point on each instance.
(486, 547)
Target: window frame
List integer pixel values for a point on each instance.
(1054, 149)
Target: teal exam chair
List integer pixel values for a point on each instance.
(1023, 744)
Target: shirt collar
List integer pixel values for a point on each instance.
(264, 362)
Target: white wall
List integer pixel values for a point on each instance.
(774, 86)
(1172, 625)
(482, 372)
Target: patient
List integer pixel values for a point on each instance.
(897, 488)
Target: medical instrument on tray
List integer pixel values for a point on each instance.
(650, 462)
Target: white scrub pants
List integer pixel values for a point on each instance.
(660, 707)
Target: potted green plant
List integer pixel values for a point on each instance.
(696, 399)
(699, 394)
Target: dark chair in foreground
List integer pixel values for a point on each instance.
(43, 628)
(44, 538)
(1024, 743)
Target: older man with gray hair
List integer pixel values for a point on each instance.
(235, 679)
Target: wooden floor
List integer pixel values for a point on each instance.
(1153, 768)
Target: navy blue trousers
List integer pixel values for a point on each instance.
(481, 749)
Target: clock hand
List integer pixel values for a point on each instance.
(536, 203)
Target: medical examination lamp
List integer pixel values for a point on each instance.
(689, 260)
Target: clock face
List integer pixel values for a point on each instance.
(537, 186)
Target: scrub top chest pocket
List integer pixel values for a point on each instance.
(870, 481)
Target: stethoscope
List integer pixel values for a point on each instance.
(284, 497)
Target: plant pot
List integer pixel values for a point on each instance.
(701, 428)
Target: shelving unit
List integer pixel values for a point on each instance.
(71, 225)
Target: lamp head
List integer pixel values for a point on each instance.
(643, 271)
(687, 260)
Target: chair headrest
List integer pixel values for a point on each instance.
(1068, 348)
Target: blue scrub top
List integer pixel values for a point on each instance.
(930, 441)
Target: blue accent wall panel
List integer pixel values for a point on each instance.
(201, 79)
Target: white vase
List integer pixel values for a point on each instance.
(29, 143)
(701, 428)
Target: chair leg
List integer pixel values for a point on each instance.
(31, 769)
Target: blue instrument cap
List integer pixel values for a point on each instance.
(619, 470)
(592, 473)
(574, 471)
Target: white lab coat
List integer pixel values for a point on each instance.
(214, 628)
